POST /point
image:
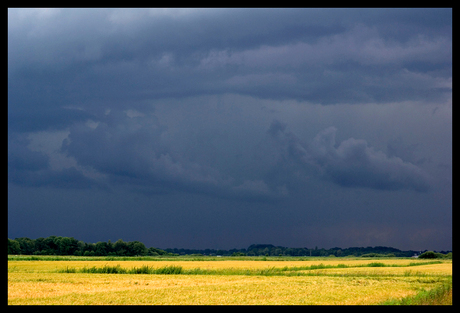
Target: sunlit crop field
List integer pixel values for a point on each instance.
(288, 282)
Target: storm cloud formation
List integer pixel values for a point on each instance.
(228, 127)
(352, 163)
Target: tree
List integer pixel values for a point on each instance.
(427, 255)
(120, 247)
(101, 248)
(66, 245)
(89, 249)
(136, 248)
(40, 245)
(430, 255)
(51, 245)
(13, 247)
(27, 245)
(80, 247)
(152, 251)
(88, 253)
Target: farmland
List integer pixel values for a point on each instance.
(203, 281)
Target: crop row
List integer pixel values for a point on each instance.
(270, 271)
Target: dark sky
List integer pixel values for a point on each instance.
(221, 128)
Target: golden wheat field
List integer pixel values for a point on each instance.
(43, 282)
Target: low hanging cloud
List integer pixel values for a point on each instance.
(32, 168)
(351, 163)
(130, 150)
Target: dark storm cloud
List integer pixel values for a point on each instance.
(32, 168)
(352, 163)
(131, 151)
(204, 118)
(20, 157)
(96, 57)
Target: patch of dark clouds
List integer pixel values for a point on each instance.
(32, 168)
(351, 163)
(102, 75)
(131, 152)
(98, 57)
(94, 60)
(37, 118)
(20, 157)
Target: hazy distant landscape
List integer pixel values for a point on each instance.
(57, 245)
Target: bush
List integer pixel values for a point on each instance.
(431, 255)
(372, 255)
(376, 264)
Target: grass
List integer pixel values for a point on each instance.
(440, 295)
(161, 258)
(315, 281)
(270, 271)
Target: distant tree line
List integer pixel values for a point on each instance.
(56, 245)
(271, 250)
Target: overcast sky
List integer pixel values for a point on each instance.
(221, 128)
